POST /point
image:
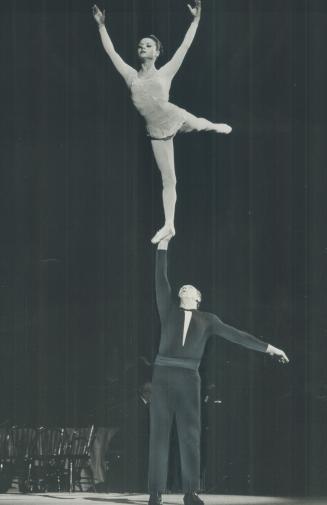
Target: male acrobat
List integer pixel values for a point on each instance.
(176, 381)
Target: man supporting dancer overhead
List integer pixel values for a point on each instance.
(176, 381)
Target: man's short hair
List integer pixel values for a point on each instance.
(198, 296)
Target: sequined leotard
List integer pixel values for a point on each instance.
(150, 95)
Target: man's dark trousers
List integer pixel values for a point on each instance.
(175, 392)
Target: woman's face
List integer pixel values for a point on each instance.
(147, 49)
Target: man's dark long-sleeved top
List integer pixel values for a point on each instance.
(202, 325)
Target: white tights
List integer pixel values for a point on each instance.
(163, 151)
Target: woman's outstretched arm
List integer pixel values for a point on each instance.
(125, 70)
(174, 64)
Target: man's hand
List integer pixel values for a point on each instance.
(273, 351)
(163, 244)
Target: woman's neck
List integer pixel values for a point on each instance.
(147, 67)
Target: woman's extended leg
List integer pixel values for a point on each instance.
(201, 124)
(163, 151)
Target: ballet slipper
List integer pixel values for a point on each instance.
(223, 128)
(165, 233)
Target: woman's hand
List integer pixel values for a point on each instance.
(98, 15)
(196, 11)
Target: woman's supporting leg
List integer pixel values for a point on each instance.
(163, 151)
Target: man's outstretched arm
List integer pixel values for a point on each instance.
(163, 289)
(246, 339)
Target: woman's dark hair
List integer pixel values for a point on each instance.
(158, 43)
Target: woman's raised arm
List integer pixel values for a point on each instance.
(125, 70)
(174, 64)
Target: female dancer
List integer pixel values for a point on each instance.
(149, 89)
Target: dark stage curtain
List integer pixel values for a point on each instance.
(81, 198)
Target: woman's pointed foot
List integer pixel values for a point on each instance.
(223, 128)
(165, 233)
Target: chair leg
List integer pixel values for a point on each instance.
(29, 478)
(71, 468)
(88, 469)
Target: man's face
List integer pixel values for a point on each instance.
(189, 293)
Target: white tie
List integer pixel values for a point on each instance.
(187, 320)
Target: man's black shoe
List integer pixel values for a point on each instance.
(192, 499)
(155, 499)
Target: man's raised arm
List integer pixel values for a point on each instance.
(163, 289)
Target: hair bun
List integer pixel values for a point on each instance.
(158, 43)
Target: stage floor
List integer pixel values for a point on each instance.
(138, 499)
